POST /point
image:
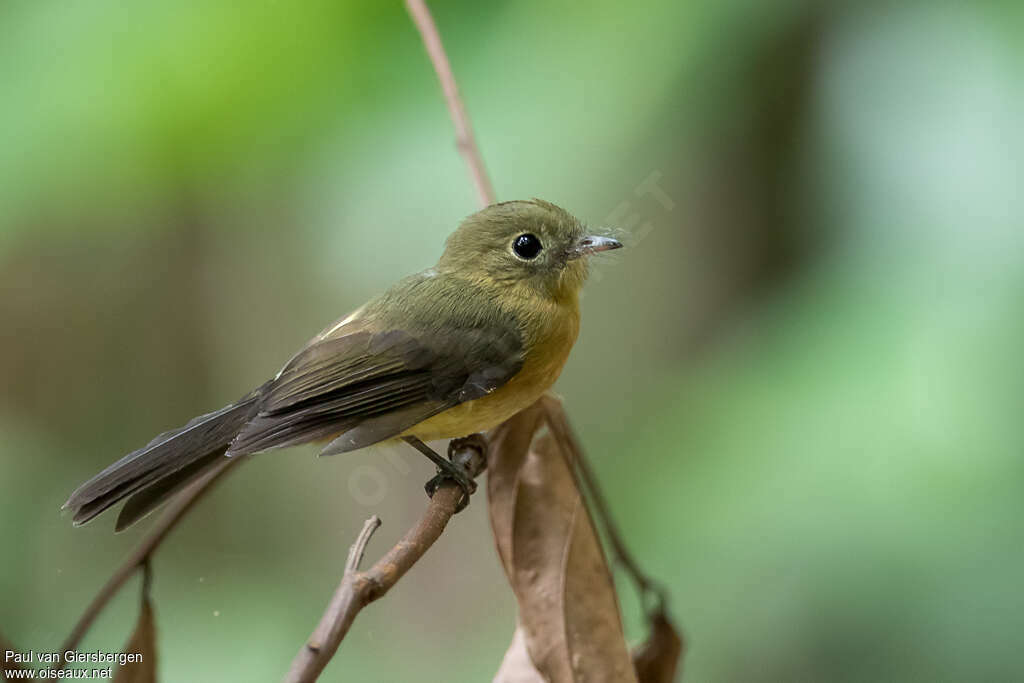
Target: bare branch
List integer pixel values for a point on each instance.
(359, 588)
(140, 556)
(464, 139)
(471, 153)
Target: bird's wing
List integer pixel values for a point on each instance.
(373, 384)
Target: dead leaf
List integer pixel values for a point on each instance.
(656, 660)
(517, 667)
(507, 447)
(568, 609)
(142, 642)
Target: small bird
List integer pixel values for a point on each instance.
(452, 350)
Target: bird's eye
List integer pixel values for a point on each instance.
(526, 246)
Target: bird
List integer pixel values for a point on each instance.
(453, 350)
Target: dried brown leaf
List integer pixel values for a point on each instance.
(508, 446)
(143, 642)
(656, 660)
(517, 667)
(568, 609)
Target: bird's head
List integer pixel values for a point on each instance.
(532, 244)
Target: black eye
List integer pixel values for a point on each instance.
(526, 246)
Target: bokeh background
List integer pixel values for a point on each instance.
(801, 385)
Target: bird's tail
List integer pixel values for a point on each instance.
(164, 466)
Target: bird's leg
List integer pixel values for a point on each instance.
(450, 468)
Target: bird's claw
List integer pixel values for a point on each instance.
(467, 485)
(453, 470)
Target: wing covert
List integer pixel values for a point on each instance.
(371, 385)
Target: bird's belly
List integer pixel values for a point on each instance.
(542, 367)
(472, 416)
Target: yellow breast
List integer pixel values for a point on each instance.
(543, 363)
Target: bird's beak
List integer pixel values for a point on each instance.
(591, 244)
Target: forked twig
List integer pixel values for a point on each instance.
(183, 503)
(359, 588)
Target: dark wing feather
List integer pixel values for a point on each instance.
(372, 385)
(422, 347)
(333, 364)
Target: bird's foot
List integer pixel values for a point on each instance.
(461, 453)
(452, 473)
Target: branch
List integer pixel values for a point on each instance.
(557, 419)
(464, 139)
(139, 557)
(471, 154)
(358, 589)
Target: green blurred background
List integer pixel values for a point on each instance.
(801, 385)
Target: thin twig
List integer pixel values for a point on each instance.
(464, 139)
(471, 154)
(355, 553)
(140, 556)
(359, 588)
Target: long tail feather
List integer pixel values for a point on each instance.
(181, 450)
(150, 498)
